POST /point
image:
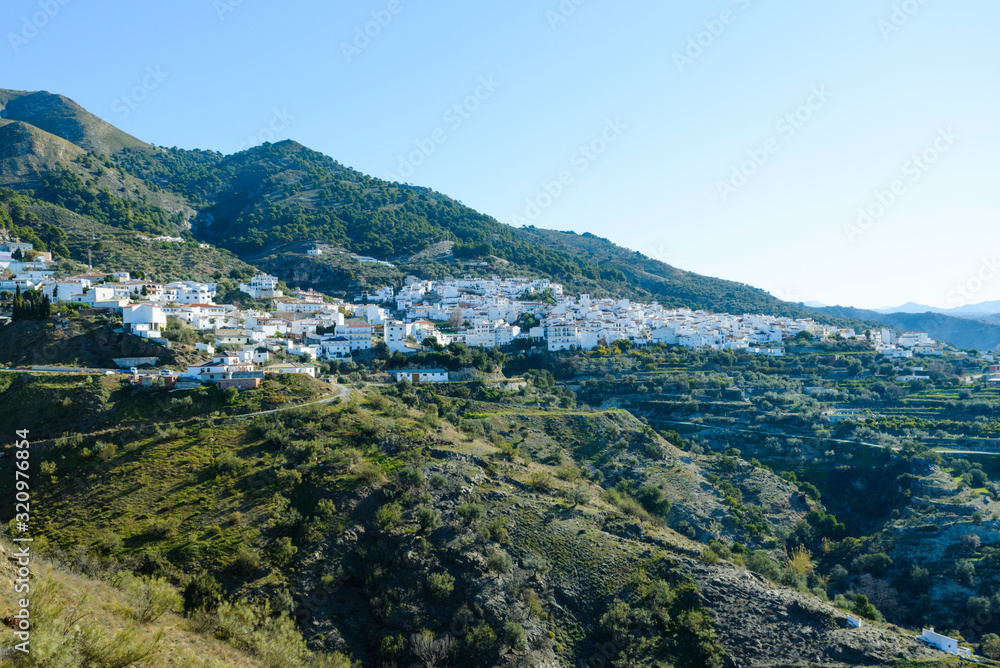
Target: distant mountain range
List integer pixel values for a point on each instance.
(961, 332)
(964, 311)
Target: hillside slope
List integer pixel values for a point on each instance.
(505, 538)
(62, 117)
(960, 332)
(270, 196)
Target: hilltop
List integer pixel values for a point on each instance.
(258, 202)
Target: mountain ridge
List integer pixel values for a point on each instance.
(273, 194)
(259, 202)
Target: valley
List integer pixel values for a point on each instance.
(356, 423)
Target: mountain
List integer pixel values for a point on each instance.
(61, 117)
(959, 332)
(965, 311)
(662, 507)
(270, 203)
(910, 307)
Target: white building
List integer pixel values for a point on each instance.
(395, 336)
(146, 320)
(910, 339)
(563, 337)
(293, 306)
(222, 366)
(262, 286)
(306, 369)
(943, 643)
(334, 347)
(420, 375)
(359, 335)
(190, 292)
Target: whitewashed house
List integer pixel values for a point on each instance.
(420, 375)
(395, 336)
(306, 369)
(262, 286)
(334, 347)
(359, 334)
(145, 320)
(943, 643)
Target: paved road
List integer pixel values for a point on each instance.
(62, 369)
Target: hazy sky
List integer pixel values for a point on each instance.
(735, 138)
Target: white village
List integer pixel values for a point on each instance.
(478, 312)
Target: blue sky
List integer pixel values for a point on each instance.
(735, 138)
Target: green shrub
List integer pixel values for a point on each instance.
(123, 649)
(108, 541)
(578, 496)
(162, 527)
(760, 562)
(440, 585)
(470, 512)
(153, 597)
(274, 640)
(495, 531)
(499, 562)
(513, 635)
(245, 561)
(481, 640)
(389, 516)
(428, 518)
(876, 564)
(540, 481)
(369, 473)
(653, 501)
(410, 478)
(202, 593)
(228, 463)
(865, 609)
(283, 551)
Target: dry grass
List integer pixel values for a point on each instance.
(81, 622)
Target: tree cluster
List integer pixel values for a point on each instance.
(31, 305)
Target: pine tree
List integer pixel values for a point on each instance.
(18, 305)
